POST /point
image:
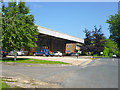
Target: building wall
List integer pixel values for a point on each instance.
(53, 44)
(48, 42)
(72, 48)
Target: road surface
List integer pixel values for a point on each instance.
(100, 73)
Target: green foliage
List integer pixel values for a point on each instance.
(88, 53)
(106, 51)
(79, 54)
(18, 28)
(95, 55)
(110, 47)
(114, 26)
(3, 85)
(94, 41)
(0, 27)
(110, 54)
(2, 1)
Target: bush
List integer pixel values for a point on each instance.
(106, 51)
(88, 53)
(110, 54)
(95, 55)
(79, 54)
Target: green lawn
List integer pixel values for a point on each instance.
(30, 60)
(3, 85)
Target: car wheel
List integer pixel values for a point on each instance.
(4, 55)
(34, 54)
(44, 55)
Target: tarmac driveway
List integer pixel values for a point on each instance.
(100, 73)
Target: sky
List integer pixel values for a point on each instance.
(65, 0)
(73, 17)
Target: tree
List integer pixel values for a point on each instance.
(87, 47)
(110, 47)
(98, 40)
(0, 28)
(94, 41)
(114, 27)
(106, 51)
(18, 28)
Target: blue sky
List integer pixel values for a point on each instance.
(73, 17)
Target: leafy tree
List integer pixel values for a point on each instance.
(87, 47)
(114, 27)
(98, 40)
(106, 51)
(2, 0)
(0, 27)
(18, 28)
(94, 41)
(110, 47)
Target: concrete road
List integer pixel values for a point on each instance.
(100, 73)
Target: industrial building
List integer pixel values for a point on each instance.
(73, 47)
(54, 41)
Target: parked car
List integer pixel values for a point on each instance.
(4, 53)
(19, 53)
(51, 53)
(74, 54)
(114, 55)
(58, 53)
(68, 54)
(43, 52)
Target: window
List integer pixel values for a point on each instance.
(67, 46)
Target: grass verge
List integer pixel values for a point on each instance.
(3, 85)
(30, 60)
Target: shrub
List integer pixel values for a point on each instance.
(95, 55)
(110, 54)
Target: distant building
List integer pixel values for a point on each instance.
(73, 47)
(55, 41)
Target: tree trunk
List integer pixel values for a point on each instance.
(15, 55)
